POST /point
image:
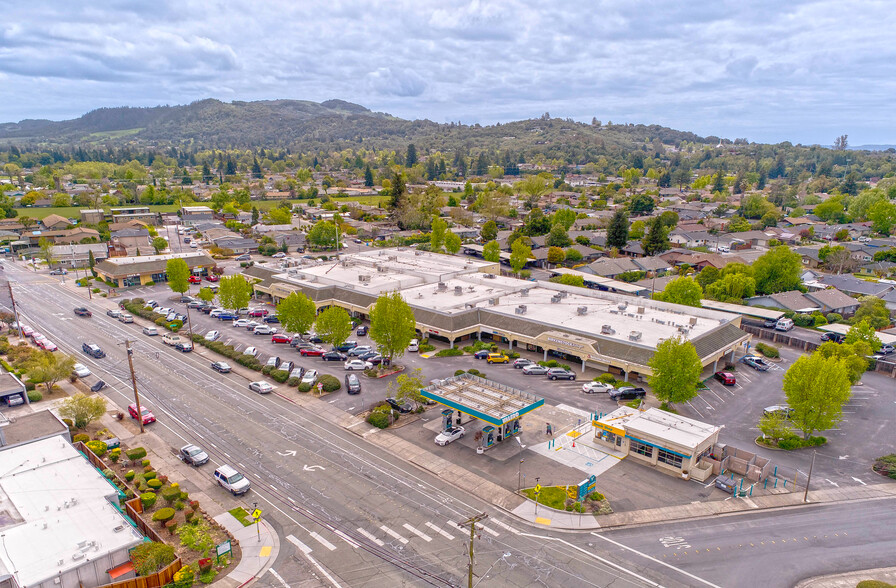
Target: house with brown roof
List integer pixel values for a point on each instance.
(54, 222)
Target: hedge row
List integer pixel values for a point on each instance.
(230, 353)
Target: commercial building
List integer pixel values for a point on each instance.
(62, 527)
(135, 271)
(192, 214)
(456, 299)
(78, 255)
(139, 213)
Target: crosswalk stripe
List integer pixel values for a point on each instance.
(478, 526)
(439, 531)
(347, 539)
(505, 526)
(393, 534)
(305, 549)
(420, 534)
(323, 541)
(370, 536)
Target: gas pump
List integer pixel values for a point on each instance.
(446, 418)
(488, 434)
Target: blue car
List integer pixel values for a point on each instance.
(348, 345)
(228, 316)
(481, 354)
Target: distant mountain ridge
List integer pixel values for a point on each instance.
(871, 147)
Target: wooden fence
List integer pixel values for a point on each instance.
(157, 580)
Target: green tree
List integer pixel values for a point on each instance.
(636, 231)
(397, 188)
(323, 234)
(863, 331)
(234, 292)
(82, 410)
(655, 241)
(558, 237)
(569, 280)
(882, 215)
(519, 255)
(278, 216)
(816, 387)
(676, 370)
(368, 177)
(491, 251)
(392, 324)
(411, 158)
(732, 288)
(641, 204)
(333, 325)
(556, 255)
(206, 295)
(565, 217)
(437, 234)
(774, 426)
(707, 276)
(46, 250)
(159, 244)
(778, 270)
(91, 260)
(536, 224)
(296, 313)
(489, 231)
(874, 310)
(48, 368)
(738, 224)
(452, 242)
(178, 273)
(852, 355)
(683, 290)
(408, 387)
(534, 187)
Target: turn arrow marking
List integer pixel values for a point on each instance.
(290, 452)
(309, 468)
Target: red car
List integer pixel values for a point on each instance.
(194, 279)
(726, 378)
(148, 417)
(212, 278)
(316, 351)
(280, 338)
(256, 312)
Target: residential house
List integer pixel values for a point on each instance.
(294, 240)
(465, 232)
(237, 244)
(610, 267)
(132, 240)
(794, 301)
(878, 268)
(809, 256)
(75, 235)
(54, 222)
(852, 286)
(890, 300)
(633, 249)
(833, 300)
(78, 255)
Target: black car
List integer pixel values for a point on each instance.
(98, 386)
(81, 311)
(346, 346)
(271, 318)
(481, 354)
(770, 323)
(627, 393)
(362, 330)
(378, 359)
(184, 346)
(560, 374)
(352, 384)
(206, 308)
(402, 407)
(367, 355)
(315, 339)
(333, 356)
(221, 367)
(757, 363)
(835, 337)
(195, 304)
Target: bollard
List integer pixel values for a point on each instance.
(765, 486)
(785, 483)
(776, 472)
(751, 489)
(776, 483)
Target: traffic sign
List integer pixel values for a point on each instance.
(256, 514)
(537, 488)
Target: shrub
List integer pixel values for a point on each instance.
(280, 376)
(154, 484)
(164, 514)
(459, 372)
(330, 383)
(378, 420)
(294, 381)
(148, 499)
(607, 379)
(29, 385)
(151, 557)
(425, 347)
(873, 584)
(179, 505)
(135, 453)
(115, 455)
(145, 463)
(81, 438)
(35, 396)
(803, 320)
(266, 370)
(449, 353)
(834, 317)
(768, 350)
(129, 475)
(171, 493)
(150, 475)
(304, 387)
(98, 448)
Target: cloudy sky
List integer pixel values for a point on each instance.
(768, 70)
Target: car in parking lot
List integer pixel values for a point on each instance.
(261, 387)
(309, 377)
(250, 326)
(378, 359)
(403, 407)
(81, 370)
(113, 313)
(560, 374)
(481, 354)
(781, 410)
(769, 323)
(286, 366)
(148, 417)
(241, 323)
(597, 387)
(887, 349)
(835, 337)
(333, 356)
(184, 346)
(273, 361)
(497, 358)
(263, 330)
(213, 277)
(359, 350)
(346, 346)
(195, 304)
(151, 303)
(362, 331)
(231, 480)
(93, 350)
(727, 378)
(193, 455)
(280, 338)
(357, 364)
(271, 319)
(279, 255)
(82, 311)
(519, 363)
(757, 363)
(163, 310)
(449, 435)
(312, 351)
(221, 367)
(212, 335)
(46, 344)
(227, 316)
(533, 369)
(627, 393)
(297, 372)
(194, 279)
(253, 351)
(352, 384)
(259, 312)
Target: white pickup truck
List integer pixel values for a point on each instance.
(171, 339)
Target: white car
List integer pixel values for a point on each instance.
(212, 335)
(596, 387)
(81, 370)
(310, 377)
(261, 387)
(263, 330)
(452, 434)
(215, 312)
(357, 364)
(253, 351)
(279, 255)
(163, 311)
(241, 323)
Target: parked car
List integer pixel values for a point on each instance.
(240, 323)
(780, 409)
(887, 349)
(279, 255)
(93, 350)
(151, 303)
(312, 351)
(81, 311)
(194, 279)
(362, 331)
(402, 407)
(359, 350)
(297, 372)
(481, 354)
(497, 358)
(560, 374)
(309, 377)
(280, 338)
(213, 277)
(346, 346)
(212, 335)
(259, 312)
(271, 319)
(261, 387)
(378, 359)
(352, 384)
(333, 356)
(99, 385)
(519, 363)
(227, 316)
(449, 435)
(193, 455)
(231, 480)
(113, 313)
(147, 415)
(727, 378)
(835, 337)
(221, 367)
(273, 361)
(286, 366)
(533, 369)
(164, 311)
(784, 324)
(414, 345)
(47, 345)
(312, 338)
(357, 364)
(263, 330)
(253, 351)
(81, 370)
(250, 326)
(184, 346)
(757, 363)
(195, 304)
(597, 387)
(627, 393)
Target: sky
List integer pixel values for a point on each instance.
(804, 71)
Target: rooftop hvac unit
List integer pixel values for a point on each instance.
(640, 310)
(392, 258)
(582, 310)
(442, 286)
(563, 294)
(382, 269)
(458, 290)
(607, 330)
(364, 278)
(682, 329)
(524, 292)
(623, 306)
(494, 301)
(78, 556)
(693, 321)
(489, 276)
(634, 336)
(521, 309)
(417, 253)
(556, 298)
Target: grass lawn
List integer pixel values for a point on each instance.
(242, 516)
(552, 496)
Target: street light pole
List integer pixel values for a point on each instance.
(809, 477)
(127, 344)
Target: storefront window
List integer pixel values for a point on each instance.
(669, 458)
(640, 448)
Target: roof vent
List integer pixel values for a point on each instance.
(582, 310)
(563, 294)
(494, 301)
(634, 336)
(458, 290)
(382, 269)
(693, 321)
(524, 292)
(556, 298)
(443, 286)
(77, 556)
(521, 309)
(640, 310)
(364, 278)
(607, 330)
(489, 276)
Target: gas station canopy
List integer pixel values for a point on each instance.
(483, 399)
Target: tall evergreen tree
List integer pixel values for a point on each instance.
(398, 187)
(256, 168)
(617, 231)
(368, 177)
(411, 159)
(655, 241)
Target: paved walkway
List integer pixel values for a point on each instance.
(850, 579)
(259, 545)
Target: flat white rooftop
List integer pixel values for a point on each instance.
(58, 512)
(145, 258)
(660, 424)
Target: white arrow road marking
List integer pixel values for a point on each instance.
(834, 484)
(309, 468)
(291, 452)
(843, 457)
(860, 482)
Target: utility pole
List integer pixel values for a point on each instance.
(15, 312)
(472, 522)
(127, 344)
(809, 478)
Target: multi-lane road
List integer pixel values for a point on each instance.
(350, 515)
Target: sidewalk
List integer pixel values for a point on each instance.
(259, 544)
(850, 579)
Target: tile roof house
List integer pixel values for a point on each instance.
(824, 301)
(611, 267)
(54, 222)
(833, 300)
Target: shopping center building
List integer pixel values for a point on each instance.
(457, 299)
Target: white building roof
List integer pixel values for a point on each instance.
(60, 512)
(145, 258)
(660, 424)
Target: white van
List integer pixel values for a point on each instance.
(414, 345)
(784, 324)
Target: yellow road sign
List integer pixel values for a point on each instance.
(537, 488)
(256, 514)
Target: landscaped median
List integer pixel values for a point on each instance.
(557, 497)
